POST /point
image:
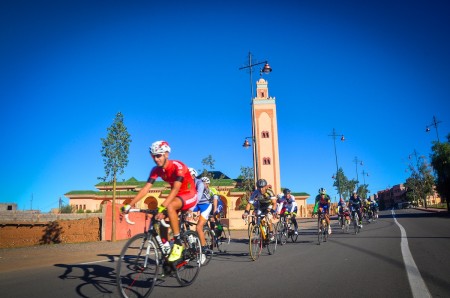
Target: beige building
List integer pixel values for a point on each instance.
(231, 195)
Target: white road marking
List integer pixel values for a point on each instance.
(418, 287)
(101, 261)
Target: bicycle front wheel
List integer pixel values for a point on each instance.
(255, 242)
(137, 267)
(347, 225)
(356, 223)
(282, 233)
(209, 237)
(272, 245)
(320, 232)
(188, 267)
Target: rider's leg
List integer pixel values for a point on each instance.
(294, 221)
(172, 212)
(360, 216)
(204, 209)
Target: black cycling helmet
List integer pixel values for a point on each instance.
(322, 191)
(286, 191)
(261, 183)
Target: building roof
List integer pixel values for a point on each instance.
(132, 186)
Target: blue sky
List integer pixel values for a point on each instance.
(376, 71)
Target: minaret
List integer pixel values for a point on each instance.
(266, 135)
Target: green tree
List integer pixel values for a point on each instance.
(247, 184)
(421, 182)
(440, 160)
(209, 162)
(343, 185)
(115, 148)
(363, 191)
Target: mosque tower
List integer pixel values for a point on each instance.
(266, 135)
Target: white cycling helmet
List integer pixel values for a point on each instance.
(206, 180)
(280, 195)
(193, 172)
(159, 147)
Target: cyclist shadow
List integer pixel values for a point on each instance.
(93, 278)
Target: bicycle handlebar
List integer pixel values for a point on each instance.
(154, 212)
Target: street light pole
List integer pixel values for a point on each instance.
(435, 124)
(266, 69)
(357, 179)
(364, 176)
(334, 135)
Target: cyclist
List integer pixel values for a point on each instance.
(355, 203)
(288, 206)
(281, 206)
(215, 201)
(182, 196)
(323, 204)
(263, 200)
(203, 207)
(342, 209)
(375, 208)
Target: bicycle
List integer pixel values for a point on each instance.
(344, 220)
(209, 235)
(369, 215)
(355, 219)
(282, 230)
(144, 255)
(259, 237)
(221, 234)
(285, 230)
(322, 233)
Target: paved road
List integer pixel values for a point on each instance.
(370, 264)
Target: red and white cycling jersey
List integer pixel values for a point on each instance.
(174, 169)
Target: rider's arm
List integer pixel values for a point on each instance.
(142, 192)
(200, 187)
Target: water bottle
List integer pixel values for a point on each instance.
(158, 239)
(165, 247)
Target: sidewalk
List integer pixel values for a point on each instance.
(436, 210)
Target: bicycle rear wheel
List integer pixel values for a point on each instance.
(272, 244)
(209, 237)
(255, 242)
(223, 239)
(137, 267)
(188, 267)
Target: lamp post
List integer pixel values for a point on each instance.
(334, 135)
(266, 69)
(435, 124)
(364, 176)
(356, 160)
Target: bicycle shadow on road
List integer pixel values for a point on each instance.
(93, 278)
(99, 280)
